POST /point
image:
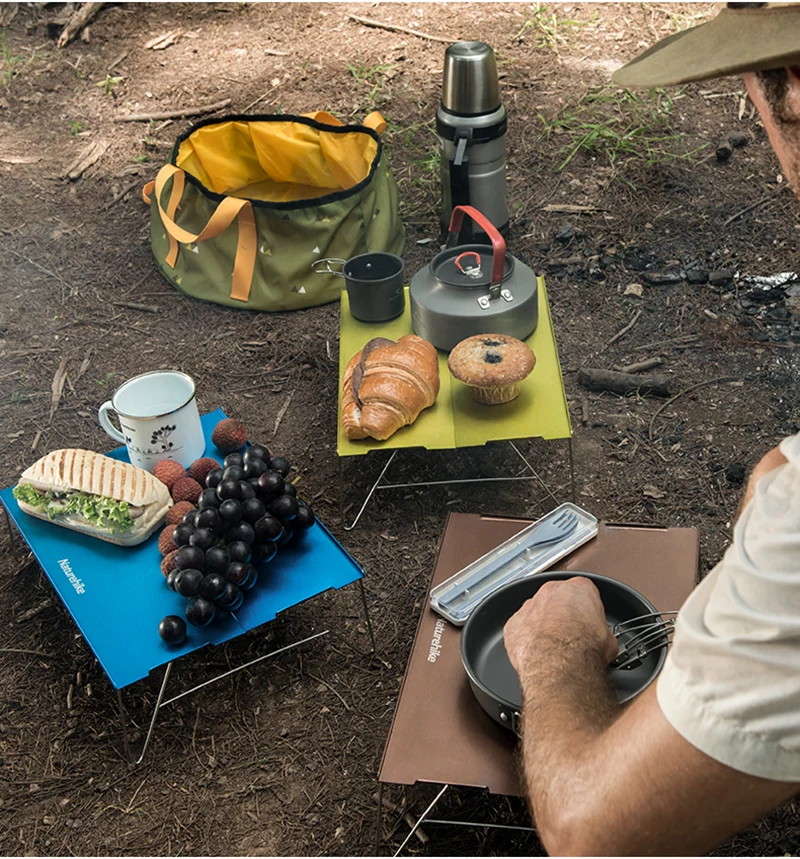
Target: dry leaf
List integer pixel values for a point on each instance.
(651, 491)
(634, 289)
(281, 413)
(57, 387)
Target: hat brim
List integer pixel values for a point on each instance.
(737, 40)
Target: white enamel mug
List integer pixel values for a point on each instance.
(159, 419)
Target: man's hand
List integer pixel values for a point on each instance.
(564, 620)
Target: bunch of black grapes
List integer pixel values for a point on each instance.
(247, 511)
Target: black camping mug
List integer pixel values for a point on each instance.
(374, 284)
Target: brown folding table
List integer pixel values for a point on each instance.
(439, 733)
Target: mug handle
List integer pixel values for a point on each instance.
(106, 424)
(318, 268)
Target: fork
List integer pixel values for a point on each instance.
(551, 532)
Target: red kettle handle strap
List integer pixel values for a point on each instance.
(498, 242)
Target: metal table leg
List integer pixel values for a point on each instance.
(370, 494)
(366, 614)
(420, 821)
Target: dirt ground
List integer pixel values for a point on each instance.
(282, 759)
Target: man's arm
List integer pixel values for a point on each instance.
(603, 780)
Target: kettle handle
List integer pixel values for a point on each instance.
(498, 242)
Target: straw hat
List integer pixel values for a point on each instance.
(744, 37)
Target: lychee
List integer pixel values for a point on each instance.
(168, 563)
(169, 472)
(176, 513)
(229, 435)
(165, 544)
(186, 489)
(200, 468)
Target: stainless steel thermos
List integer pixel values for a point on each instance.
(471, 125)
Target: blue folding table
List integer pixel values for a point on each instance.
(117, 595)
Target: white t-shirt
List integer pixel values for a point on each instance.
(731, 682)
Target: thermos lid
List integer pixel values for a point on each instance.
(470, 79)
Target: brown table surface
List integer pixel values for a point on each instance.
(439, 732)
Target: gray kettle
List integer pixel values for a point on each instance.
(473, 289)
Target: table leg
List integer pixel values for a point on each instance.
(571, 471)
(370, 494)
(366, 614)
(533, 472)
(155, 712)
(419, 822)
(11, 532)
(123, 718)
(379, 826)
(478, 825)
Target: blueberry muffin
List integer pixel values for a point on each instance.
(492, 365)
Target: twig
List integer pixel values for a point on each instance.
(641, 366)
(84, 161)
(687, 391)
(685, 340)
(118, 60)
(394, 28)
(567, 209)
(391, 806)
(624, 383)
(328, 685)
(620, 334)
(147, 308)
(36, 438)
(85, 15)
(261, 97)
(281, 413)
(174, 114)
(30, 652)
(270, 52)
(753, 206)
(32, 612)
(585, 411)
(127, 189)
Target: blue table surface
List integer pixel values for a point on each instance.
(117, 595)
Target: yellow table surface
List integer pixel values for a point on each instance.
(455, 419)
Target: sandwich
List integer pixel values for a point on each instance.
(94, 494)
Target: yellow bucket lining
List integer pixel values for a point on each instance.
(276, 161)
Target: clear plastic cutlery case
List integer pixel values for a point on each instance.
(455, 598)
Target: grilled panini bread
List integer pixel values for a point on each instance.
(94, 494)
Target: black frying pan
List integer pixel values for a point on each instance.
(491, 675)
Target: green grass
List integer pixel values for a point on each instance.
(370, 79)
(621, 128)
(108, 83)
(414, 152)
(11, 64)
(547, 28)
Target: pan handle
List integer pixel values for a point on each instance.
(323, 266)
(512, 718)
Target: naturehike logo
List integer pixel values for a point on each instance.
(436, 641)
(73, 579)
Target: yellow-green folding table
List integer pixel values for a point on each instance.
(456, 420)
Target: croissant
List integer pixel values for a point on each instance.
(386, 385)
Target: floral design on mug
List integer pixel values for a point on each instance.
(161, 436)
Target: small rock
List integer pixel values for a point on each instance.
(738, 139)
(662, 278)
(697, 276)
(723, 275)
(724, 150)
(565, 235)
(734, 474)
